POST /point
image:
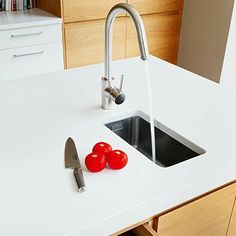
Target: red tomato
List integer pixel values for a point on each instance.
(102, 147)
(117, 159)
(95, 162)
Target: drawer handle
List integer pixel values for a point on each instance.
(28, 54)
(23, 35)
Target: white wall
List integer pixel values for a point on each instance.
(203, 37)
(228, 76)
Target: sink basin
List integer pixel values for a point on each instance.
(169, 151)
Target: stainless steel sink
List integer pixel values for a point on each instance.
(136, 131)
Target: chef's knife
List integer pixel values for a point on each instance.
(72, 161)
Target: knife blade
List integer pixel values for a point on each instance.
(72, 161)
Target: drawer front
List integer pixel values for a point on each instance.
(30, 36)
(84, 42)
(156, 6)
(80, 10)
(26, 61)
(206, 216)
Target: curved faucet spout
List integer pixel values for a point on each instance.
(109, 91)
(116, 10)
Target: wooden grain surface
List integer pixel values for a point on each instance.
(85, 42)
(232, 225)
(80, 10)
(162, 32)
(144, 230)
(52, 6)
(206, 216)
(156, 6)
(83, 29)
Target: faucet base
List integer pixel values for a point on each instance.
(111, 93)
(106, 107)
(106, 100)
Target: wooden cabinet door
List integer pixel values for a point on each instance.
(85, 42)
(232, 225)
(156, 6)
(82, 10)
(162, 32)
(207, 216)
(52, 6)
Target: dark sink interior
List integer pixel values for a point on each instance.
(136, 131)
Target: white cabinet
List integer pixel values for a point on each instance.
(30, 44)
(30, 36)
(31, 60)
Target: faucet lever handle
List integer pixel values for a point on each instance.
(121, 83)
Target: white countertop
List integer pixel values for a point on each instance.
(39, 196)
(26, 18)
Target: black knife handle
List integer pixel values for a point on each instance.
(79, 180)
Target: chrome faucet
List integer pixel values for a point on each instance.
(109, 91)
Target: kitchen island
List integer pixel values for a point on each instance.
(40, 197)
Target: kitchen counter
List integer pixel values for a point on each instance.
(39, 196)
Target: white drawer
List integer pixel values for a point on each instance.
(13, 38)
(26, 61)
